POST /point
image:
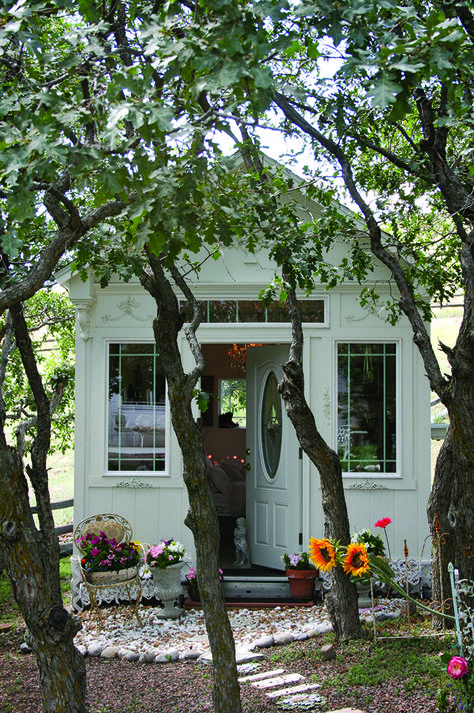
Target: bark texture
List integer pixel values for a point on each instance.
(441, 531)
(30, 555)
(27, 556)
(202, 518)
(342, 600)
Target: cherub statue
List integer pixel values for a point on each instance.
(242, 554)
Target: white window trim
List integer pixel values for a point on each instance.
(130, 473)
(364, 475)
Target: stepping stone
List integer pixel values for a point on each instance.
(261, 676)
(293, 689)
(301, 702)
(278, 681)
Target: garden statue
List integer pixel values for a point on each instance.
(242, 554)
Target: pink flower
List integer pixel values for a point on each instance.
(457, 667)
(383, 522)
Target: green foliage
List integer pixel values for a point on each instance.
(51, 322)
(374, 543)
(413, 659)
(8, 607)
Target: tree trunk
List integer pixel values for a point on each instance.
(35, 583)
(202, 518)
(342, 600)
(442, 538)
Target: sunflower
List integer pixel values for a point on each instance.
(322, 554)
(356, 561)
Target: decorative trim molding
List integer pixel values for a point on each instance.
(366, 485)
(132, 483)
(128, 308)
(83, 308)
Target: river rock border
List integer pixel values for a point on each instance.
(98, 646)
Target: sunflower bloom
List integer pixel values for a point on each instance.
(356, 561)
(322, 554)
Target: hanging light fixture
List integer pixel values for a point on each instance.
(238, 355)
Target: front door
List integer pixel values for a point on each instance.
(274, 467)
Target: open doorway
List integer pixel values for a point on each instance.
(224, 429)
(252, 457)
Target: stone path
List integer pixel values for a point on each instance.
(299, 697)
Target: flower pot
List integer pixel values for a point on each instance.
(364, 594)
(102, 578)
(168, 589)
(193, 591)
(301, 582)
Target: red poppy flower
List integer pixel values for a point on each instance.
(383, 522)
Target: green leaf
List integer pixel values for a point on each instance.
(384, 90)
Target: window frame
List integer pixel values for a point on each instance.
(130, 473)
(220, 410)
(365, 475)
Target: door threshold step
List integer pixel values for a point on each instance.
(256, 587)
(259, 578)
(253, 604)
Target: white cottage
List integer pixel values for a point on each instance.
(365, 383)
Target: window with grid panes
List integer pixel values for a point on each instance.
(367, 407)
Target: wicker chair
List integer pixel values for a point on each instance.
(118, 527)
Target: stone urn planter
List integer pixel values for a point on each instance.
(111, 578)
(364, 595)
(301, 582)
(168, 589)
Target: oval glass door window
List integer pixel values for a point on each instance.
(271, 425)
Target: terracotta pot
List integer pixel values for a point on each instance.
(301, 582)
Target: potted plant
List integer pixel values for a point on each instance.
(375, 547)
(191, 582)
(301, 575)
(106, 560)
(373, 543)
(165, 561)
(165, 554)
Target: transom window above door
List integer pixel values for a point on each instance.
(137, 429)
(224, 311)
(367, 407)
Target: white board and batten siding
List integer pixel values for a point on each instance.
(156, 503)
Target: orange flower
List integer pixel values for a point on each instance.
(356, 561)
(322, 554)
